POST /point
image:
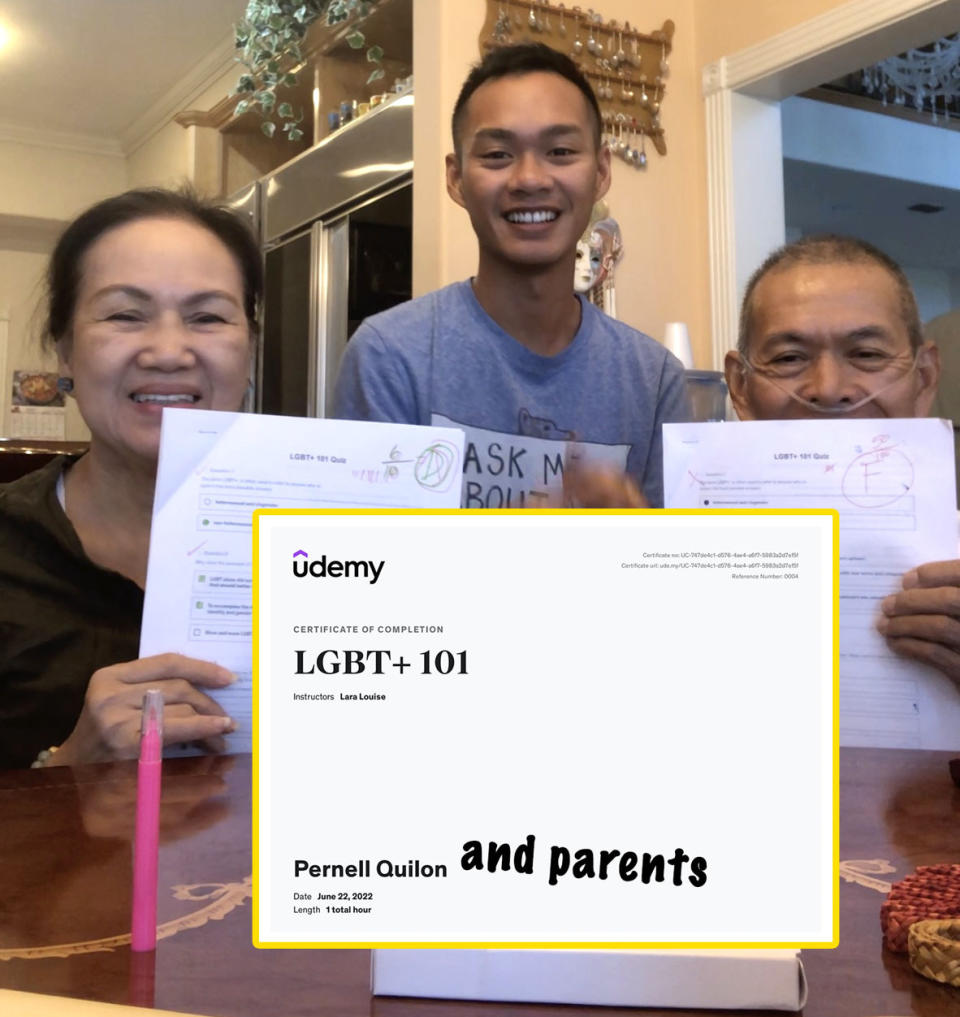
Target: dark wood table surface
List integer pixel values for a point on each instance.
(65, 898)
(18, 456)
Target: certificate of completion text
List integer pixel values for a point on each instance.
(603, 729)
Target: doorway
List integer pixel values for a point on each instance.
(743, 94)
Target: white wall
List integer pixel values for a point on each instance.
(757, 195)
(885, 164)
(47, 182)
(855, 139)
(53, 182)
(162, 161)
(166, 158)
(934, 288)
(21, 293)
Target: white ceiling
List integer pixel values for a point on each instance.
(825, 199)
(95, 67)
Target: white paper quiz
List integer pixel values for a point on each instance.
(216, 468)
(892, 482)
(519, 728)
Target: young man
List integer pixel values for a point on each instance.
(829, 328)
(514, 357)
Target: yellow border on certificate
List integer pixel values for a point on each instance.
(646, 945)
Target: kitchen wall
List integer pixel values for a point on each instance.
(725, 28)
(168, 156)
(21, 290)
(42, 182)
(54, 181)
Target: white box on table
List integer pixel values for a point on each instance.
(765, 979)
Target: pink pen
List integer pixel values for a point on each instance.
(143, 924)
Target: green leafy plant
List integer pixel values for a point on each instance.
(268, 38)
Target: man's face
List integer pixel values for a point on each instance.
(528, 171)
(831, 335)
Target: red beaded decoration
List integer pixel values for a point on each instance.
(933, 891)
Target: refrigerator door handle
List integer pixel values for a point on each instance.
(329, 302)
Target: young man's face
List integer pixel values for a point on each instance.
(824, 337)
(528, 171)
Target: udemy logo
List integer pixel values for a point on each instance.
(329, 568)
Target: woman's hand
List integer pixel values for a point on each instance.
(109, 724)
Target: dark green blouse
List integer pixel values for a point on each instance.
(61, 618)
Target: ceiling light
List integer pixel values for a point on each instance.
(925, 207)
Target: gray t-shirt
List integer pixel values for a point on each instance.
(441, 359)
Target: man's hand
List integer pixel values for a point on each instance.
(595, 485)
(923, 620)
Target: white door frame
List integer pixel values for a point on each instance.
(740, 86)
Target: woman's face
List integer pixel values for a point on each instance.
(586, 271)
(159, 321)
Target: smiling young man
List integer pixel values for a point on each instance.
(514, 357)
(829, 329)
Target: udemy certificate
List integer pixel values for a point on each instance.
(602, 729)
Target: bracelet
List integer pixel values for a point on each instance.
(44, 757)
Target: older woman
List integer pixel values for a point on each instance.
(152, 303)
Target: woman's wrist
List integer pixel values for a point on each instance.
(82, 745)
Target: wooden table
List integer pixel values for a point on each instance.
(18, 456)
(65, 877)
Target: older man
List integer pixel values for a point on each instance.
(829, 329)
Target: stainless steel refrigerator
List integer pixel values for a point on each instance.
(337, 229)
